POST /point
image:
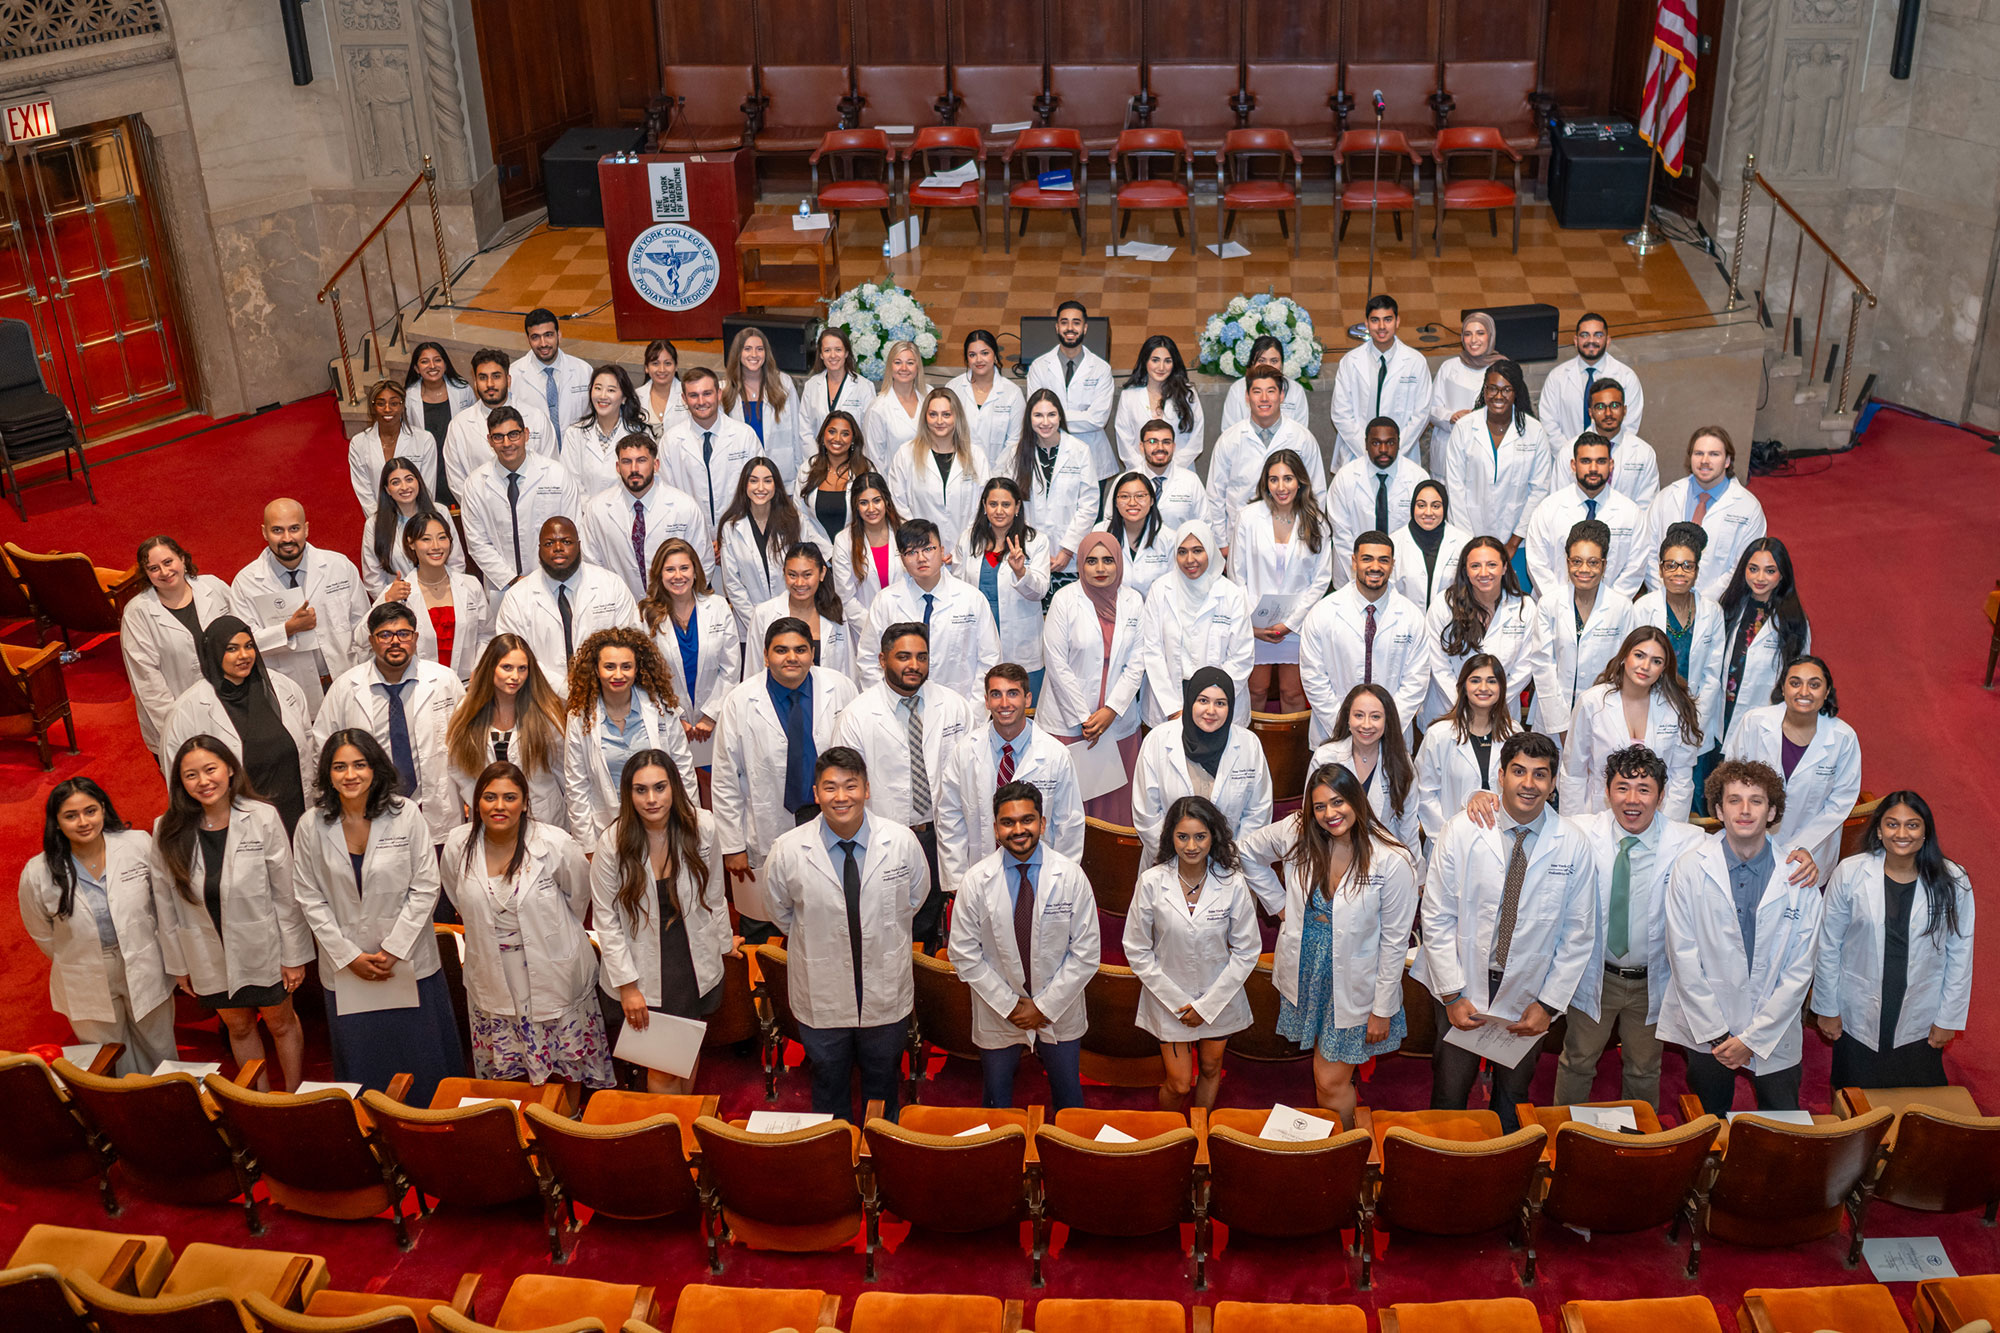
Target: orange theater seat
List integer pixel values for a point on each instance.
(1063, 1316)
(1244, 1317)
(706, 1309)
(897, 1312)
(1953, 1302)
(1860, 1308)
(1509, 1314)
(1675, 1314)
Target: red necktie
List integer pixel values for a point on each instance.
(1006, 765)
(1024, 929)
(1368, 648)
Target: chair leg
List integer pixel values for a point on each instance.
(1298, 225)
(69, 725)
(1437, 225)
(1178, 229)
(1193, 230)
(84, 468)
(13, 485)
(1364, 1236)
(1517, 223)
(1493, 221)
(979, 216)
(42, 746)
(1416, 229)
(1992, 661)
(1007, 230)
(1125, 229)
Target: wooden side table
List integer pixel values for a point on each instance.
(779, 266)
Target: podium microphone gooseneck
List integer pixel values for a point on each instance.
(1359, 331)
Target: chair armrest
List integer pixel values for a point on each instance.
(642, 1303)
(123, 1272)
(399, 1088)
(461, 1299)
(812, 158)
(829, 1310)
(1011, 1314)
(1690, 1107)
(106, 1058)
(27, 661)
(290, 1291)
(1198, 1122)
(246, 1077)
(1857, 1101)
(1510, 151)
(1940, 1300)
(1204, 1319)
(1760, 1316)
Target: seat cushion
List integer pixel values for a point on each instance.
(1259, 194)
(1677, 1314)
(1976, 1297)
(64, 1248)
(1861, 1308)
(1245, 1317)
(967, 195)
(1061, 1316)
(703, 139)
(789, 138)
(330, 1304)
(536, 1301)
(1949, 1097)
(1478, 194)
(704, 1309)
(1509, 1314)
(615, 1106)
(854, 194)
(1457, 1126)
(1034, 196)
(1385, 194)
(896, 1312)
(1152, 194)
(948, 1120)
(239, 1271)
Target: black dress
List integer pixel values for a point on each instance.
(680, 993)
(830, 508)
(437, 420)
(214, 844)
(1916, 1065)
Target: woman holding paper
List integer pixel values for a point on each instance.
(657, 897)
(367, 880)
(1191, 935)
(1282, 558)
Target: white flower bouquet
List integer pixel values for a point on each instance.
(877, 314)
(1227, 337)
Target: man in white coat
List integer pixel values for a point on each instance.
(1364, 633)
(771, 732)
(1178, 493)
(301, 603)
(406, 703)
(843, 889)
(964, 639)
(465, 440)
(1740, 937)
(625, 525)
(1564, 400)
(504, 503)
(1509, 923)
(1372, 494)
(1635, 466)
(1383, 377)
(907, 727)
(557, 381)
(1590, 495)
(1009, 748)
(1635, 851)
(1709, 497)
(1024, 939)
(1084, 382)
(706, 453)
(1237, 463)
(564, 602)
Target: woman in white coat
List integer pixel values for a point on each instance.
(510, 714)
(695, 632)
(1265, 350)
(160, 632)
(1763, 627)
(1456, 387)
(1191, 935)
(991, 403)
(1459, 758)
(228, 910)
(864, 552)
(1194, 618)
(388, 435)
(659, 390)
(522, 888)
(1639, 699)
(810, 598)
(1427, 546)
(260, 714)
(1347, 899)
(1583, 624)
(1893, 977)
(590, 446)
(366, 876)
(936, 473)
(836, 385)
(1093, 668)
(1497, 464)
(824, 490)
(1367, 739)
(1283, 548)
(402, 497)
(1693, 623)
(762, 397)
(1202, 753)
(896, 416)
(433, 393)
(1007, 562)
(1483, 611)
(1053, 471)
(657, 899)
(1133, 521)
(1158, 390)
(90, 903)
(620, 702)
(1818, 755)
(752, 535)
(448, 603)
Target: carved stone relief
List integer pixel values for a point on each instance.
(371, 15)
(37, 27)
(1826, 13)
(385, 113)
(1812, 107)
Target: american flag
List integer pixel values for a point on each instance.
(1669, 76)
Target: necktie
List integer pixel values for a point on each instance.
(1069, 370)
(562, 606)
(707, 453)
(929, 601)
(1618, 926)
(920, 777)
(514, 513)
(1368, 645)
(639, 536)
(1159, 484)
(1381, 378)
(554, 401)
(1006, 774)
(1381, 502)
(850, 889)
(1510, 897)
(799, 754)
(1701, 505)
(400, 752)
(1589, 375)
(1024, 930)
(1590, 508)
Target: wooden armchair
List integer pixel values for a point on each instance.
(1782, 1184)
(165, 1134)
(1152, 170)
(774, 1012)
(798, 104)
(1860, 1308)
(1112, 858)
(923, 1172)
(1069, 1316)
(1488, 194)
(703, 1308)
(1670, 1314)
(330, 1311)
(709, 107)
(135, 1265)
(795, 1192)
(34, 1296)
(1452, 1187)
(1268, 1187)
(1250, 171)
(942, 1017)
(627, 1168)
(1601, 1180)
(1260, 1041)
(1944, 1156)
(736, 1020)
(1121, 1189)
(1373, 180)
(77, 595)
(859, 173)
(1116, 1050)
(939, 148)
(1248, 1317)
(44, 1137)
(313, 1153)
(34, 697)
(1042, 150)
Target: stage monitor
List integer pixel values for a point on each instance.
(1038, 335)
(1523, 332)
(790, 337)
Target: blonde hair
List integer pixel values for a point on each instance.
(773, 387)
(889, 356)
(961, 434)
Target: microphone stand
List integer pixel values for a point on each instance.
(1359, 330)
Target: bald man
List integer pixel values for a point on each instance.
(564, 602)
(302, 604)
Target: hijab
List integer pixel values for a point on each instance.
(1105, 599)
(1429, 541)
(270, 755)
(237, 696)
(1493, 352)
(1190, 596)
(1206, 747)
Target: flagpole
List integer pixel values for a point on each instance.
(1644, 241)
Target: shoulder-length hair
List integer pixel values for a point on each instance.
(650, 672)
(55, 843)
(825, 600)
(772, 390)
(635, 870)
(961, 434)
(1786, 609)
(857, 531)
(1395, 758)
(1026, 445)
(1469, 619)
(857, 453)
(451, 375)
(538, 715)
(175, 836)
(1934, 870)
(1311, 857)
(1221, 842)
(187, 561)
(1831, 707)
(1501, 717)
(1176, 391)
(500, 770)
(1312, 521)
(782, 524)
(419, 524)
(631, 416)
(1671, 685)
(381, 775)
(979, 536)
(1114, 522)
(659, 603)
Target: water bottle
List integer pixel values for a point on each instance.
(885, 247)
(805, 209)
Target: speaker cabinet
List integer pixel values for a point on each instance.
(1523, 332)
(569, 172)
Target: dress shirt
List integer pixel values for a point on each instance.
(1747, 881)
(529, 376)
(92, 895)
(1015, 865)
(1561, 403)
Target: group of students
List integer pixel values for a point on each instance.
(537, 745)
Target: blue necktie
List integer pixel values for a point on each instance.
(929, 601)
(1590, 509)
(555, 400)
(1589, 376)
(799, 754)
(399, 740)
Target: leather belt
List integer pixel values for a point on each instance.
(1627, 973)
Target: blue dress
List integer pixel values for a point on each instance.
(1311, 1022)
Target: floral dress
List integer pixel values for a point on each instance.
(1311, 1022)
(570, 1047)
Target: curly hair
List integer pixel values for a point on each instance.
(1749, 773)
(652, 674)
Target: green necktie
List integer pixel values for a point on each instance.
(1618, 930)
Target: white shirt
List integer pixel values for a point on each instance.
(1847, 981)
(548, 897)
(390, 909)
(1176, 646)
(546, 491)
(1625, 564)
(1563, 401)
(1651, 861)
(1063, 948)
(1088, 400)
(964, 639)
(470, 619)
(1410, 578)
(1369, 916)
(263, 929)
(79, 983)
(1074, 667)
(732, 444)
(598, 599)
(1018, 597)
(591, 456)
(161, 658)
(1237, 464)
(465, 447)
(886, 427)
(921, 491)
(1350, 505)
(1819, 791)
(431, 694)
(1179, 494)
(1635, 468)
(1241, 788)
(365, 461)
(810, 910)
(1135, 409)
(747, 786)
(965, 797)
(1335, 656)
(1454, 388)
(835, 648)
(1405, 395)
(1062, 505)
(530, 376)
(590, 789)
(606, 530)
(1404, 824)
(1493, 490)
(1291, 570)
(817, 402)
(1575, 656)
(1295, 405)
(332, 587)
(718, 660)
(375, 577)
(631, 944)
(877, 724)
(1513, 634)
(782, 441)
(1703, 669)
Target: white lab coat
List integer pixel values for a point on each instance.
(964, 639)
(332, 586)
(1847, 975)
(262, 926)
(1409, 578)
(547, 801)
(1493, 491)
(1712, 993)
(1296, 405)
(712, 485)
(1265, 567)
(161, 658)
(810, 528)
(1575, 657)
(1350, 505)
(1135, 409)
(1063, 507)
(466, 450)
(79, 987)
(547, 491)
(391, 912)
(810, 910)
(1088, 400)
(1635, 468)
(1073, 664)
(1763, 664)
(1703, 669)
(1019, 597)
(550, 893)
(528, 377)
(1242, 788)
(458, 396)
(1553, 930)
(365, 461)
(1178, 645)
(433, 696)
(630, 947)
(375, 576)
(1198, 954)
(1648, 936)
(469, 620)
(749, 576)
(836, 638)
(995, 424)
(783, 441)
(1145, 566)
(858, 587)
(1333, 651)
(1561, 400)
(1370, 917)
(1063, 941)
(1597, 729)
(591, 457)
(1455, 387)
(1181, 497)
(718, 663)
(886, 428)
(965, 798)
(1407, 825)
(199, 713)
(1447, 776)
(919, 492)
(659, 422)
(1625, 564)
(1236, 465)
(598, 600)
(817, 402)
(1405, 395)
(1822, 788)
(589, 788)
(1734, 521)
(1514, 635)
(876, 725)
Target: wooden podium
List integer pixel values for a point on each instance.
(670, 227)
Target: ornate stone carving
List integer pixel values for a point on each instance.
(441, 83)
(38, 27)
(1825, 13)
(371, 15)
(1812, 107)
(385, 112)
(1747, 86)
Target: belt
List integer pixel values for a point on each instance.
(1627, 973)
(924, 827)
(325, 684)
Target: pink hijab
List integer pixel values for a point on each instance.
(1105, 599)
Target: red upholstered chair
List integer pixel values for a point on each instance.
(987, 95)
(1409, 94)
(1043, 150)
(1297, 99)
(1099, 102)
(858, 170)
(1250, 177)
(1489, 195)
(1144, 165)
(900, 95)
(941, 148)
(1375, 178)
(800, 103)
(712, 105)
(703, 1308)
(1199, 100)
(1500, 93)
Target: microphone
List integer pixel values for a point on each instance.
(1379, 104)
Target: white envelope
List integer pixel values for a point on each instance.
(82, 1055)
(194, 1067)
(668, 1043)
(1782, 1117)
(1270, 610)
(1288, 1125)
(1099, 768)
(975, 1130)
(464, 1102)
(811, 221)
(1112, 1134)
(353, 995)
(944, 180)
(1228, 250)
(307, 1085)
(1012, 126)
(1605, 1117)
(1492, 1041)
(784, 1122)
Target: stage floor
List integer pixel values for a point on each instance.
(963, 289)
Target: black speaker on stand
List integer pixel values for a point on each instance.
(1522, 332)
(569, 172)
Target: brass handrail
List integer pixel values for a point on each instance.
(428, 179)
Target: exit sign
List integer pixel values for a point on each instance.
(31, 120)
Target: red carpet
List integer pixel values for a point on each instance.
(1875, 534)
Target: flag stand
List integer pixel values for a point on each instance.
(1645, 240)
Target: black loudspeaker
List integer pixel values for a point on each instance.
(569, 172)
(1522, 332)
(1038, 335)
(790, 337)
(1597, 177)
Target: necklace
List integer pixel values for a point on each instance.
(1191, 891)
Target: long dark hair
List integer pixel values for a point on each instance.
(1670, 683)
(825, 600)
(857, 454)
(491, 774)
(980, 535)
(1934, 871)
(631, 416)
(175, 835)
(1786, 610)
(1395, 757)
(1469, 620)
(1312, 521)
(387, 530)
(635, 871)
(1510, 370)
(1502, 717)
(1311, 857)
(1023, 474)
(381, 780)
(55, 843)
(451, 375)
(1176, 390)
(1114, 522)
(783, 532)
(538, 712)
(1221, 842)
(857, 531)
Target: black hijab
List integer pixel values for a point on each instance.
(1206, 747)
(270, 755)
(1428, 541)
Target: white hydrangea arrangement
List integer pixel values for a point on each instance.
(875, 315)
(1227, 337)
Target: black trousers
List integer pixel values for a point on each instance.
(927, 927)
(1454, 1070)
(1715, 1083)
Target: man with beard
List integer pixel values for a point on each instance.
(564, 602)
(1364, 633)
(623, 526)
(300, 602)
(1084, 382)
(1372, 493)
(464, 443)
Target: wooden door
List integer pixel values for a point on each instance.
(534, 64)
(1682, 194)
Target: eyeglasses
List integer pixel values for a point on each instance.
(1585, 562)
(1679, 566)
(395, 636)
(507, 436)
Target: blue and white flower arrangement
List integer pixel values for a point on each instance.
(874, 315)
(1227, 337)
